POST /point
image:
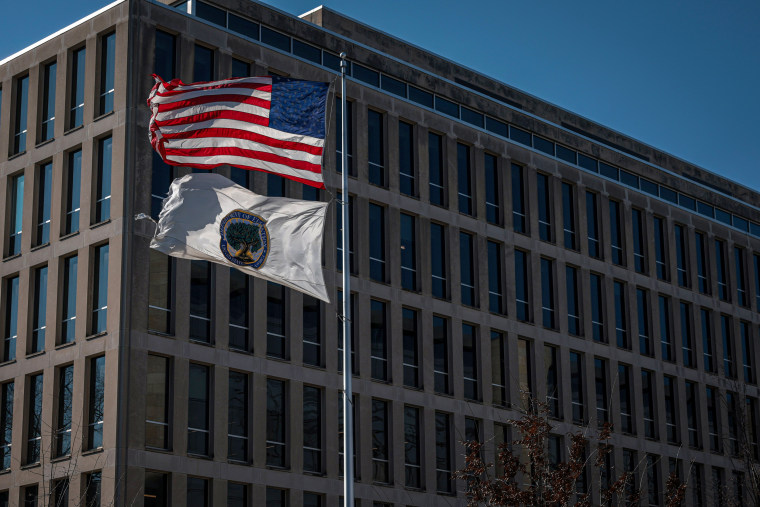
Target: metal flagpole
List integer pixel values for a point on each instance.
(348, 427)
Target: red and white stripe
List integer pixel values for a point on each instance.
(205, 125)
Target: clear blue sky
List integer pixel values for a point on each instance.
(680, 76)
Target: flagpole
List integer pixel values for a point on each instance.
(348, 427)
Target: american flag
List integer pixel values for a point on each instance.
(269, 123)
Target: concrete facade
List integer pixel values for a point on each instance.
(125, 460)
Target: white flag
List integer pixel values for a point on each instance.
(208, 217)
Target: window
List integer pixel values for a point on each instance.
(687, 342)
(37, 343)
(648, 404)
(639, 246)
(544, 207)
(354, 405)
(525, 368)
(653, 479)
(498, 370)
(277, 497)
(203, 64)
(671, 409)
(645, 340)
(65, 398)
(407, 178)
(312, 429)
(522, 299)
(733, 411)
(493, 182)
(16, 213)
(547, 293)
(379, 340)
(666, 339)
(697, 495)
(160, 292)
(164, 55)
(60, 492)
(411, 347)
(30, 496)
(6, 425)
(464, 179)
(621, 324)
(11, 318)
(728, 347)
(707, 341)
(312, 331)
(107, 72)
(720, 264)
(380, 442)
(92, 490)
(702, 276)
(568, 216)
(237, 417)
(239, 308)
(276, 315)
(660, 249)
(96, 402)
(339, 138)
(376, 242)
(43, 196)
(436, 170)
(100, 290)
(713, 418)
(198, 404)
(156, 489)
(197, 492)
(573, 305)
(577, 376)
(408, 252)
(495, 280)
(240, 68)
(200, 301)
(592, 224)
(48, 102)
(339, 233)
(551, 365)
(443, 464)
(741, 282)
(597, 307)
(747, 351)
(682, 256)
(277, 419)
(438, 260)
(470, 361)
(76, 99)
(692, 417)
(412, 444)
(103, 189)
(616, 234)
(600, 385)
(69, 300)
(626, 406)
(519, 218)
(467, 268)
(376, 148)
(73, 183)
(237, 493)
(162, 175)
(158, 397)
(441, 354)
(34, 419)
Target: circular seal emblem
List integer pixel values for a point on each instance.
(244, 239)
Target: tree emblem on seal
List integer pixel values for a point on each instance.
(244, 238)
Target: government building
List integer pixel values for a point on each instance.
(502, 249)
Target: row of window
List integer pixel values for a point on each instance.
(76, 78)
(64, 431)
(57, 493)
(259, 32)
(41, 211)
(158, 424)
(66, 311)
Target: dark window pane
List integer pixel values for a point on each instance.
(165, 49)
(472, 117)
(497, 127)
(198, 410)
(543, 145)
(566, 154)
(608, 171)
(421, 97)
(446, 107)
(520, 135)
(211, 13)
(629, 179)
(203, 64)
(369, 76)
(243, 26)
(669, 195)
(436, 169)
(240, 69)
(587, 162)
(307, 51)
(76, 99)
(378, 340)
(275, 39)
(407, 178)
(394, 86)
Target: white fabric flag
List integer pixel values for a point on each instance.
(208, 217)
